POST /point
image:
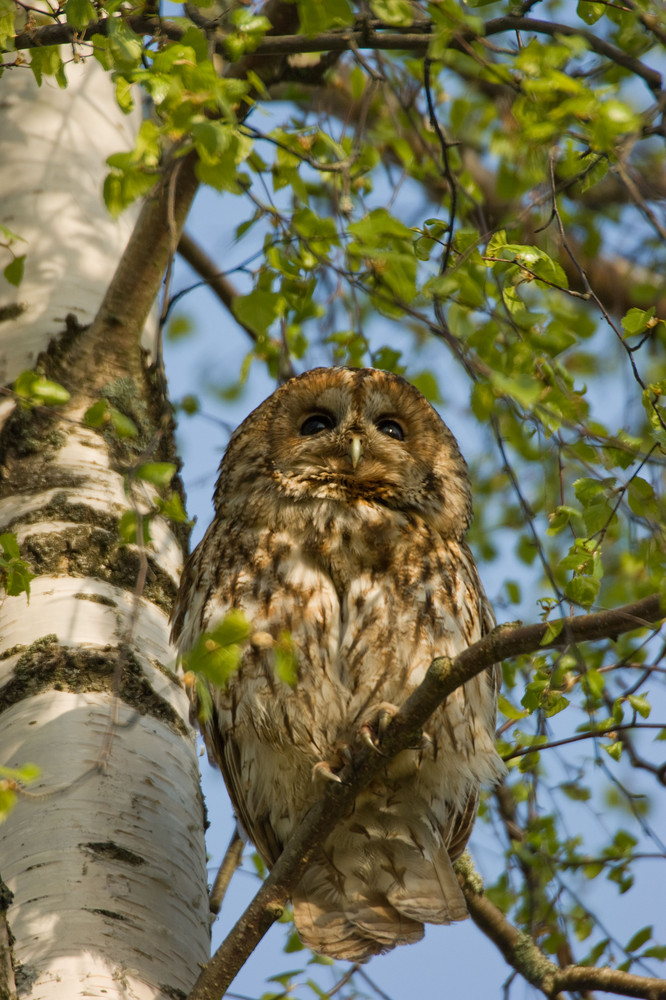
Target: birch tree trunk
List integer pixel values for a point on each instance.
(104, 853)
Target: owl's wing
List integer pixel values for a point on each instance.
(205, 585)
(224, 751)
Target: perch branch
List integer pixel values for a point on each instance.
(443, 677)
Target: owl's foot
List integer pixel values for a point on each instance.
(374, 728)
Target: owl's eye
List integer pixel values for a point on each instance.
(317, 423)
(391, 428)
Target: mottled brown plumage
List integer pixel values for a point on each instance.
(340, 513)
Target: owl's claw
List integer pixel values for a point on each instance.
(365, 734)
(324, 770)
(372, 730)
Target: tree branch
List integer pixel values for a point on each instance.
(377, 36)
(525, 957)
(210, 273)
(442, 679)
(136, 283)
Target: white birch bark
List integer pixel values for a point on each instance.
(104, 853)
(54, 144)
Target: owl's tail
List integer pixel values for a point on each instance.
(379, 878)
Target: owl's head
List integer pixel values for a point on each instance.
(351, 437)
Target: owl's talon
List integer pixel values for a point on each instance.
(366, 736)
(384, 717)
(324, 770)
(374, 728)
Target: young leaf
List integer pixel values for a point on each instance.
(13, 272)
(159, 474)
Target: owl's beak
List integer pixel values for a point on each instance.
(355, 449)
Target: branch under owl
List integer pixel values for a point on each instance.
(443, 677)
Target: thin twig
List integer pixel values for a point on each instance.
(607, 731)
(230, 863)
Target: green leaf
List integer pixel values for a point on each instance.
(427, 384)
(122, 425)
(657, 951)
(10, 777)
(398, 12)
(316, 17)
(589, 11)
(583, 590)
(97, 414)
(7, 234)
(495, 243)
(172, 509)
(285, 662)
(553, 630)
(79, 13)
(378, 226)
(640, 704)
(250, 28)
(593, 682)
(560, 518)
(122, 187)
(128, 528)
(613, 750)
(8, 29)
(576, 792)
(217, 654)
(17, 579)
(46, 61)
(510, 711)
(124, 95)
(234, 628)
(9, 544)
(124, 45)
(221, 150)
(13, 272)
(637, 320)
(14, 571)
(35, 389)
(293, 943)
(525, 389)
(641, 497)
(179, 328)
(159, 474)
(257, 310)
(639, 938)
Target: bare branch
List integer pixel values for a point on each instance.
(216, 280)
(230, 862)
(522, 953)
(443, 677)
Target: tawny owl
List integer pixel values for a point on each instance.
(340, 512)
